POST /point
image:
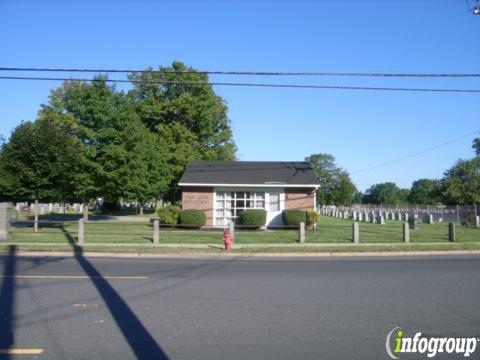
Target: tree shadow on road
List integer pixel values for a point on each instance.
(7, 304)
(136, 334)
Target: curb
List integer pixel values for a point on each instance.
(254, 255)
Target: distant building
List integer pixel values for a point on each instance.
(223, 189)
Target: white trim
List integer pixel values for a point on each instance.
(253, 185)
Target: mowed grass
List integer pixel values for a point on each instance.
(329, 230)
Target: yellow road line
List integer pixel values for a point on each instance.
(73, 277)
(21, 351)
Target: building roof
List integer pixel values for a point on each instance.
(249, 173)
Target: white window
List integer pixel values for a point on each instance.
(229, 204)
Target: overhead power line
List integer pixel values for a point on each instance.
(417, 153)
(249, 73)
(295, 86)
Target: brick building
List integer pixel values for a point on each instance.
(223, 189)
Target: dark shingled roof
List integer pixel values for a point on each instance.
(249, 172)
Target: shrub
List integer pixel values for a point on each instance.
(469, 220)
(312, 217)
(253, 217)
(169, 214)
(294, 217)
(193, 217)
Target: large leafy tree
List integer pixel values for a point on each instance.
(385, 193)
(39, 160)
(461, 184)
(179, 105)
(120, 157)
(426, 191)
(336, 187)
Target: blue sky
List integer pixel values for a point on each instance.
(361, 129)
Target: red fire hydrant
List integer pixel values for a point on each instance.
(227, 240)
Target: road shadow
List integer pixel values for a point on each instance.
(136, 334)
(7, 303)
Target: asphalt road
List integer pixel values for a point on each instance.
(232, 309)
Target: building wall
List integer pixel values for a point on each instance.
(301, 199)
(201, 199)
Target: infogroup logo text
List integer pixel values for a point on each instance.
(431, 346)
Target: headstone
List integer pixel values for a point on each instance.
(412, 223)
(398, 216)
(354, 216)
(428, 218)
(477, 222)
(360, 216)
(405, 217)
(380, 219)
(367, 217)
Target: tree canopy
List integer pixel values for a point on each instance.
(336, 187)
(103, 142)
(39, 160)
(385, 193)
(426, 191)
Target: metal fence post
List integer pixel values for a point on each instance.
(4, 222)
(231, 229)
(356, 233)
(406, 233)
(156, 232)
(301, 233)
(81, 232)
(451, 232)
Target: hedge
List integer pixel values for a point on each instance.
(253, 217)
(193, 217)
(169, 214)
(294, 217)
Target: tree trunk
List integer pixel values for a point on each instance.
(35, 223)
(140, 210)
(85, 211)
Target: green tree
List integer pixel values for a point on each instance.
(183, 109)
(426, 191)
(38, 161)
(336, 186)
(357, 197)
(120, 157)
(476, 146)
(385, 193)
(461, 184)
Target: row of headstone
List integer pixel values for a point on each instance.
(48, 207)
(379, 216)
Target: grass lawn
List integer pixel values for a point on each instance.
(329, 230)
